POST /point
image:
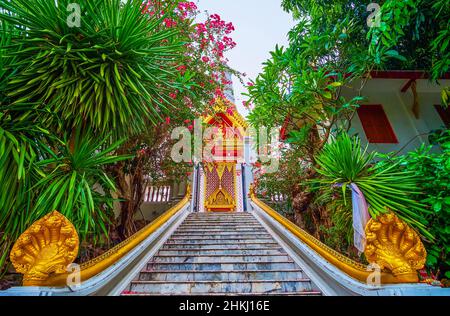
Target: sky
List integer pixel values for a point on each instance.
(260, 25)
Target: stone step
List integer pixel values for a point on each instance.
(222, 252)
(217, 222)
(223, 234)
(222, 219)
(222, 275)
(221, 228)
(210, 215)
(216, 239)
(223, 231)
(206, 287)
(303, 293)
(219, 258)
(181, 246)
(217, 266)
(221, 224)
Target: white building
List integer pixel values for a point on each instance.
(402, 108)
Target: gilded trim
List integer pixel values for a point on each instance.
(221, 107)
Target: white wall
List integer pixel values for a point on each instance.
(398, 109)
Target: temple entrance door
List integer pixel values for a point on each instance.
(220, 187)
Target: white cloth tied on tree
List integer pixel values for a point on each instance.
(360, 217)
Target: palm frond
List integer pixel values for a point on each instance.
(385, 186)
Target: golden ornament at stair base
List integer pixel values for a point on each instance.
(393, 245)
(47, 247)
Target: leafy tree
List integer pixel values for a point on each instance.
(333, 47)
(433, 172)
(300, 87)
(416, 30)
(69, 98)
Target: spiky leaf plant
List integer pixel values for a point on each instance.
(77, 185)
(112, 73)
(384, 185)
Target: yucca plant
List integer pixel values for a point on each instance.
(22, 144)
(385, 186)
(112, 73)
(77, 185)
(62, 89)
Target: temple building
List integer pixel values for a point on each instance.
(221, 180)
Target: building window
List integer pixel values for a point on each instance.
(444, 113)
(376, 125)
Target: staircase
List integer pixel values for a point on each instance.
(221, 254)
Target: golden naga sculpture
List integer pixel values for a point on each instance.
(395, 246)
(46, 248)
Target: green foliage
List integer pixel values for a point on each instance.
(301, 86)
(37, 180)
(386, 186)
(20, 146)
(112, 73)
(433, 173)
(417, 32)
(6, 34)
(62, 89)
(77, 185)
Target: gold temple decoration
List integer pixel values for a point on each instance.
(395, 246)
(221, 106)
(221, 200)
(46, 248)
(228, 150)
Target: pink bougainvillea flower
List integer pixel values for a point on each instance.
(182, 69)
(170, 22)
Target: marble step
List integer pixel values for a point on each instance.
(181, 246)
(218, 239)
(206, 287)
(221, 231)
(222, 252)
(222, 234)
(221, 275)
(302, 293)
(221, 228)
(218, 258)
(217, 222)
(220, 219)
(217, 266)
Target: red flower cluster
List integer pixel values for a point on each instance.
(205, 51)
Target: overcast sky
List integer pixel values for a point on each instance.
(260, 25)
